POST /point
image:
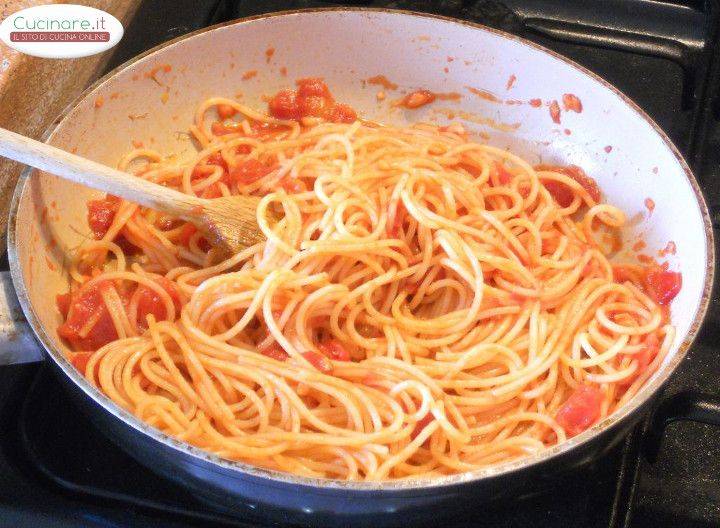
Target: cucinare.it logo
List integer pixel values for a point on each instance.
(61, 31)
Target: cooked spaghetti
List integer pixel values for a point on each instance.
(426, 304)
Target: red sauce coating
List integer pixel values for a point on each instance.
(417, 99)
(555, 112)
(572, 103)
(318, 361)
(510, 82)
(535, 103)
(650, 204)
(421, 424)
(580, 410)
(562, 194)
(484, 94)
(383, 81)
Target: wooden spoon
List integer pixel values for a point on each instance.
(229, 222)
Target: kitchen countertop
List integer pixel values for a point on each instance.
(34, 91)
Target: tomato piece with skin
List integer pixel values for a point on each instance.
(318, 361)
(284, 105)
(63, 302)
(275, 351)
(293, 185)
(87, 304)
(80, 360)
(501, 174)
(334, 350)
(149, 301)
(101, 214)
(663, 285)
(562, 194)
(341, 113)
(250, 171)
(580, 410)
(312, 87)
(225, 111)
(417, 99)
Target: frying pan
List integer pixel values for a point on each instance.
(634, 162)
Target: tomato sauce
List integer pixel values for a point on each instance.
(562, 194)
(334, 350)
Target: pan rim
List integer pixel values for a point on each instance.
(321, 485)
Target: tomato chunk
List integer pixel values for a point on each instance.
(581, 410)
(318, 361)
(562, 194)
(88, 304)
(293, 185)
(335, 350)
(311, 99)
(501, 174)
(275, 351)
(250, 171)
(341, 113)
(663, 285)
(225, 111)
(312, 87)
(63, 302)
(80, 360)
(284, 105)
(101, 214)
(417, 99)
(149, 302)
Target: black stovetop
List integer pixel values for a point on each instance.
(57, 470)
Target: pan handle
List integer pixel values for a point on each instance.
(17, 342)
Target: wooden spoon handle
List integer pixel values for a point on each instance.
(91, 174)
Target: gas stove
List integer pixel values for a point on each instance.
(57, 470)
